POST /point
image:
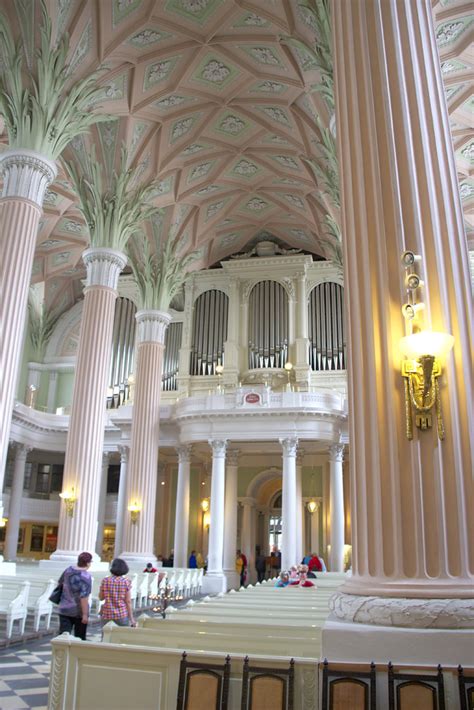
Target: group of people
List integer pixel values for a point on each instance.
(114, 591)
(301, 575)
(196, 560)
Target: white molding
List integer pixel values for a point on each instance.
(151, 326)
(26, 174)
(103, 266)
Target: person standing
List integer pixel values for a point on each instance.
(74, 604)
(115, 593)
(240, 567)
(192, 564)
(260, 564)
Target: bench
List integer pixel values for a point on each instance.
(38, 598)
(14, 604)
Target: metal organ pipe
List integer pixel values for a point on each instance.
(327, 349)
(209, 332)
(173, 337)
(123, 343)
(268, 325)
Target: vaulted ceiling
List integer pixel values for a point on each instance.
(214, 105)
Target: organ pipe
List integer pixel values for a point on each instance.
(327, 348)
(121, 358)
(268, 325)
(173, 336)
(210, 322)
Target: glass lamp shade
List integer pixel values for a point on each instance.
(205, 505)
(426, 342)
(312, 506)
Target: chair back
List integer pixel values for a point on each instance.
(415, 690)
(348, 688)
(267, 688)
(203, 686)
(466, 689)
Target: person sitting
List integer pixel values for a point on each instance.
(323, 564)
(294, 576)
(150, 568)
(305, 560)
(115, 593)
(192, 563)
(200, 561)
(314, 565)
(283, 580)
(303, 580)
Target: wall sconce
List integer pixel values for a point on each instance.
(313, 506)
(69, 498)
(31, 392)
(205, 505)
(134, 509)
(423, 351)
(206, 520)
(288, 368)
(3, 522)
(219, 371)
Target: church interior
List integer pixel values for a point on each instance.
(237, 258)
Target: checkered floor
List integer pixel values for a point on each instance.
(24, 673)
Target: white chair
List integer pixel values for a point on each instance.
(14, 605)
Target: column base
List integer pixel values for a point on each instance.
(351, 642)
(7, 568)
(63, 558)
(233, 579)
(214, 583)
(134, 559)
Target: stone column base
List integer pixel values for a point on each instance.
(134, 559)
(233, 579)
(55, 567)
(214, 583)
(7, 568)
(362, 643)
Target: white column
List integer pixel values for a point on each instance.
(231, 346)
(185, 349)
(247, 538)
(14, 509)
(336, 508)
(52, 389)
(181, 526)
(230, 518)
(299, 506)
(215, 581)
(121, 500)
(315, 533)
(288, 547)
(102, 502)
(266, 533)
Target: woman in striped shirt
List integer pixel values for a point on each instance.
(115, 593)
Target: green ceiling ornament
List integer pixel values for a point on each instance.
(41, 323)
(158, 270)
(40, 113)
(113, 212)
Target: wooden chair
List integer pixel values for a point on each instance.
(415, 690)
(466, 690)
(267, 688)
(348, 688)
(203, 686)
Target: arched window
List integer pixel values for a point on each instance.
(173, 337)
(209, 332)
(327, 340)
(268, 325)
(123, 350)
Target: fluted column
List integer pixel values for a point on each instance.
(52, 389)
(299, 506)
(336, 508)
(26, 175)
(247, 537)
(181, 526)
(14, 508)
(85, 441)
(315, 532)
(230, 517)
(288, 545)
(215, 580)
(102, 503)
(412, 522)
(141, 489)
(121, 500)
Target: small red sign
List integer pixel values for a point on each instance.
(252, 398)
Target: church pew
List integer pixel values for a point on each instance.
(125, 677)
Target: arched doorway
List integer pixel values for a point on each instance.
(274, 532)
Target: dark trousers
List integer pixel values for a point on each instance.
(68, 623)
(260, 575)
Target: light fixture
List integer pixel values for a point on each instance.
(219, 371)
(3, 522)
(288, 368)
(424, 351)
(31, 396)
(134, 509)
(206, 520)
(205, 505)
(313, 506)
(70, 499)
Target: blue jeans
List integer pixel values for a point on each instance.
(119, 622)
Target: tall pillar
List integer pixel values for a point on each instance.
(185, 349)
(230, 518)
(14, 509)
(26, 175)
(231, 346)
(215, 580)
(247, 538)
(181, 527)
(85, 441)
(141, 490)
(315, 532)
(52, 389)
(288, 546)
(302, 370)
(336, 508)
(102, 503)
(299, 506)
(121, 500)
(412, 522)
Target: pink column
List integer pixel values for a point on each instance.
(26, 175)
(412, 520)
(85, 442)
(142, 473)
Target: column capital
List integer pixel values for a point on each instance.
(103, 266)
(26, 174)
(299, 457)
(105, 458)
(152, 325)
(218, 447)
(251, 502)
(124, 452)
(336, 452)
(289, 446)
(233, 457)
(184, 453)
(21, 450)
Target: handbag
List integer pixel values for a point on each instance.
(55, 596)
